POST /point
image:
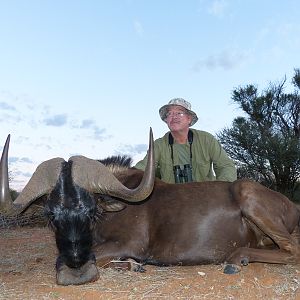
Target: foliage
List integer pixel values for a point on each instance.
(265, 143)
(14, 194)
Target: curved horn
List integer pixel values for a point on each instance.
(95, 177)
(5, 198)
(42, 182)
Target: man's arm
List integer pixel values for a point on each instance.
(224, 167)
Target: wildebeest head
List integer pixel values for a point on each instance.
(71, 207)
(71, 211)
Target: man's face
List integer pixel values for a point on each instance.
(178, 118)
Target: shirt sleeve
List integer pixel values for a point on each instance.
(224, 167)
(141, 165)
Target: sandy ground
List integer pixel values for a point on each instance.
(27, 258)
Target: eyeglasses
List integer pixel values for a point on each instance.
(178, 114)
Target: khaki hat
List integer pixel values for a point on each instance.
(181, 102)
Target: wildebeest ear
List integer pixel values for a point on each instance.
(108, 203)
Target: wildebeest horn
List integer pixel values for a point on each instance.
(42, 182)
(95, 177)
(5, 198)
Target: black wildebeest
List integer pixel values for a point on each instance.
(100, 213)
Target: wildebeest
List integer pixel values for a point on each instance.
(99, 214)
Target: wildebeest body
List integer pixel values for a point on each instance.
(193, 223)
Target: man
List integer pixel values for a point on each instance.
(184, 154)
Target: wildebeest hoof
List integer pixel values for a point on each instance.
(231, 269)
(71, 276)
(128, 264)
(136, 267)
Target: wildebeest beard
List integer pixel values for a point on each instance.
(71, 211)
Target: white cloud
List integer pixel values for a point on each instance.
(131, 150)
(87, 123)
(56, 120)
(6, 106)
(217, 8)
(227, 60)
(138, 28)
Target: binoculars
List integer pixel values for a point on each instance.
(184, 175)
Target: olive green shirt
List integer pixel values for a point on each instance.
(209, 160)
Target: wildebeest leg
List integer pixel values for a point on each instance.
(127, 264)
(111, 255)
(242, 256)
(276, 217)
(288, 252)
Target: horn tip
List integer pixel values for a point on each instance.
(8, 138)
(151, 132)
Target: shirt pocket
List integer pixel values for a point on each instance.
(203, 171)
(166, 171)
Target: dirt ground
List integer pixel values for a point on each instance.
(27, 259)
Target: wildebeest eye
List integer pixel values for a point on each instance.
(51, 217)
(52, 226)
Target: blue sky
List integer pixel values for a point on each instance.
(88, 77)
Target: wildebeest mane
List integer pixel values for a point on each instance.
(117, 163)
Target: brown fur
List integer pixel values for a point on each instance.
(199, 223)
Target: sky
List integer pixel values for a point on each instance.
(88, 77)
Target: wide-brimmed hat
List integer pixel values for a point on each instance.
(181, 102)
